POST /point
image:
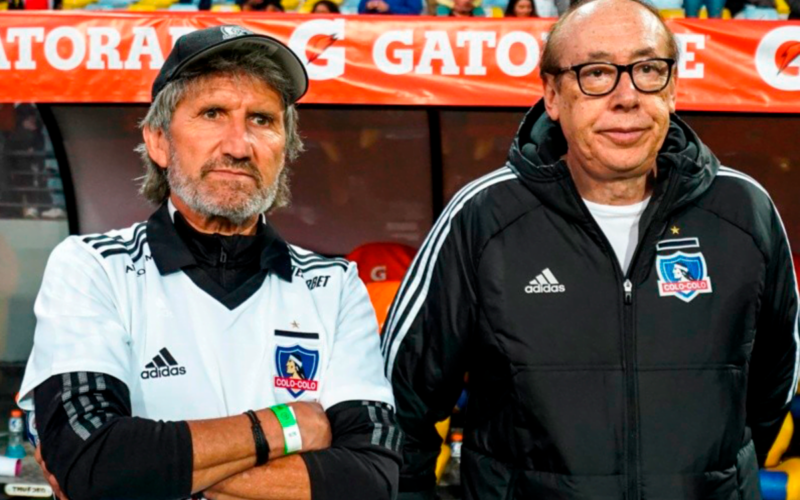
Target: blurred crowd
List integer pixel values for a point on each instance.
(723, 9)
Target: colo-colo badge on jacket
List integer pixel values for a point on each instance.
(682, 274)
(296, 367)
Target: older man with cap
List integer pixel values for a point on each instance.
(625, 306)
(167, 356)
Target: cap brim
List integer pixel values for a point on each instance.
(286, 59)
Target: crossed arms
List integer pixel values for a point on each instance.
(94, 448)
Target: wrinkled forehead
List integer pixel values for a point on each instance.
(614, 31)
(236, 80)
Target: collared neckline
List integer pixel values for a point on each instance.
(171, 254)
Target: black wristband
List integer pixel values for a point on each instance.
(262, 446)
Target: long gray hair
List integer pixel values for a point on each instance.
(240, 62)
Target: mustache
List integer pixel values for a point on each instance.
(230, 163)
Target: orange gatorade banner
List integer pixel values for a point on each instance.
(751, 66)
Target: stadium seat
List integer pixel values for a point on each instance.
(676, 13)
(158, 4)
(781, 443)
(183, 7)
(782, 482)
(3, 5)
(382, 261)
(381, 294)
(114, 4)
(226, 7)
(443, 428)
(774, 484)
(74, 4)
(726, 14)
(672, 13)
(140, 7)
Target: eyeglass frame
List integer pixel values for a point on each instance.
(621, 68)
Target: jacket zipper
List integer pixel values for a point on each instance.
(629, 365)
(223, 259)
(631, 391)
(628, 356)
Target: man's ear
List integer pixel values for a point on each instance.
(551, 97)
(155, 140)
(672, 91)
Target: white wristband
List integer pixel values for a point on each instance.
(291, 436)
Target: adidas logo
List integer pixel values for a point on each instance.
(163, 365)
(545, 283)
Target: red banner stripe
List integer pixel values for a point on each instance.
(748, 66)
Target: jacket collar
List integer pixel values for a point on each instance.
(171, 254)
(686, 167)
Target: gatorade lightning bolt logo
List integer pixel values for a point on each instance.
(788, 53)
(778, 58)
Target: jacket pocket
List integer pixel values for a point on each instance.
(738, 482)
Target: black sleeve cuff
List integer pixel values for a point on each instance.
(363, 460)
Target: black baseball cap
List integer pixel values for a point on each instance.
(202, 43)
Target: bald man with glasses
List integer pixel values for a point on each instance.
(625, 306)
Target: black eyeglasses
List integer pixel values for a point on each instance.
(599, 79)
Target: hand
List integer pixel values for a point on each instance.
(50, 478)
(381, 6)
(315, 429)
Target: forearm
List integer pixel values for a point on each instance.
(283, 479)
(224, 447)
(96, 449)
(318, 475)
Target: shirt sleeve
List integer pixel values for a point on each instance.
(355, 369)
(78, 325)
(365, 449)
(95, 449)
(424, 343)
(773, 372)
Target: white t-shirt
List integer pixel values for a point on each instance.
(620, 223)
(105, 307)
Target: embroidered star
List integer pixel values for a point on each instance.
(675, 230)
(295, 324)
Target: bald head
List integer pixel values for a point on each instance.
(605, 14)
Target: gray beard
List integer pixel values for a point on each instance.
(237, 211)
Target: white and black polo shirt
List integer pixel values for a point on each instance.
(122, 303)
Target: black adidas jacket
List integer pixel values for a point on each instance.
(611, 386)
